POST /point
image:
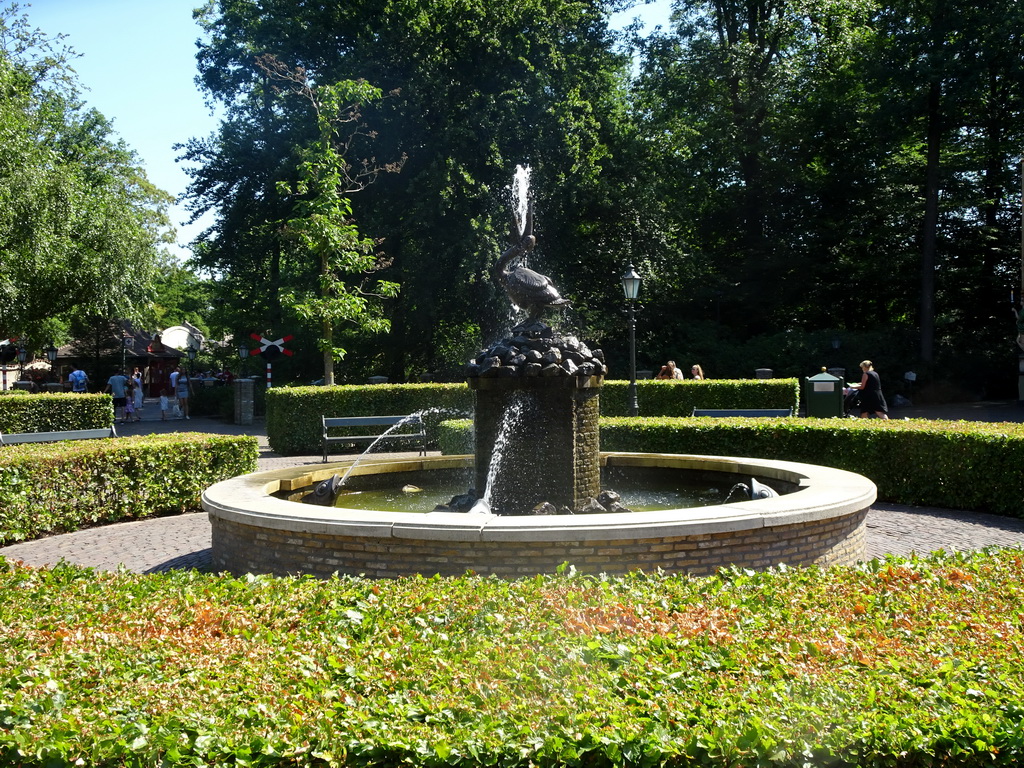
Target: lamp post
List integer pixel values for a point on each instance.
(51, 356)
(126, 341)
(22, 356)
(243, 355)
(191, 352)
(631, 288)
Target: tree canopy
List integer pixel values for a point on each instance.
(782, 172)
(80, 225)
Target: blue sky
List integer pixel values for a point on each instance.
(137, 67)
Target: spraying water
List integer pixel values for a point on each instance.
(521, 194)
(418, 415)
(515, 414)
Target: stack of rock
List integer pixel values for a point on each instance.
(534, 349)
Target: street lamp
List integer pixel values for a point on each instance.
(191, 352)
(631, 288)
(51, 353)
(126, 341)
(22, 355)
(243, 355)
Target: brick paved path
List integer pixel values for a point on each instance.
(183, 541)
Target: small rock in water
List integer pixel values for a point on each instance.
(593, 507)
(460, 503)
(544, 508)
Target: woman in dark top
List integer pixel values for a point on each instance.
(871, 398)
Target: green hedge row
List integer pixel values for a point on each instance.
(293, 413)
(55, 413)
(958, 465)
(679, 398)
(58, 487)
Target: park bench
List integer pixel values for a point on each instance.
(748, 412)
(418, 438)
(18, 438)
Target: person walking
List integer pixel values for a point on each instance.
(165, 404)
(117, 386)
(79, 380)
(183, 390)
(138, 394)
(174, 390)
(871, 398)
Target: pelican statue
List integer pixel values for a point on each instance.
(528, 290)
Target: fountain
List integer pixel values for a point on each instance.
(538, 466)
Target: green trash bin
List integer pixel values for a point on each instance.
(824, 396)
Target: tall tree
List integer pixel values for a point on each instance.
(745, 102)
(322, 224)
(478, 88)
(953, 73)
(80, 225)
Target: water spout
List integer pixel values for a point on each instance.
(369, 449)
(510, 425)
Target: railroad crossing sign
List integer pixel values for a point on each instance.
(271, 350)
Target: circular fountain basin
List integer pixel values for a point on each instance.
(820, 521)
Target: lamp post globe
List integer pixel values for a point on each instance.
(631, 289)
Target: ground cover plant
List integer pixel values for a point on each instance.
(893, 663)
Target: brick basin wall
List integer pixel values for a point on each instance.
(818, 518)
(241, 548)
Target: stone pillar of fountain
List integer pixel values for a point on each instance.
(536, 422)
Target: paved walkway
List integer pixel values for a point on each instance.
(183, 541)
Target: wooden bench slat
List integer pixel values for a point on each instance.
(330, 422)
(19, 438)
(368, 421)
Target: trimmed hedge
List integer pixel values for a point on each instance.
(679, 398)
(293, 413)
(959, 465)
(954, 464)
(55, 413)
(59, 487)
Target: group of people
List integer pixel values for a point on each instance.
(670, 371)
(872, 401)
(129, 397)
(127, 393)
